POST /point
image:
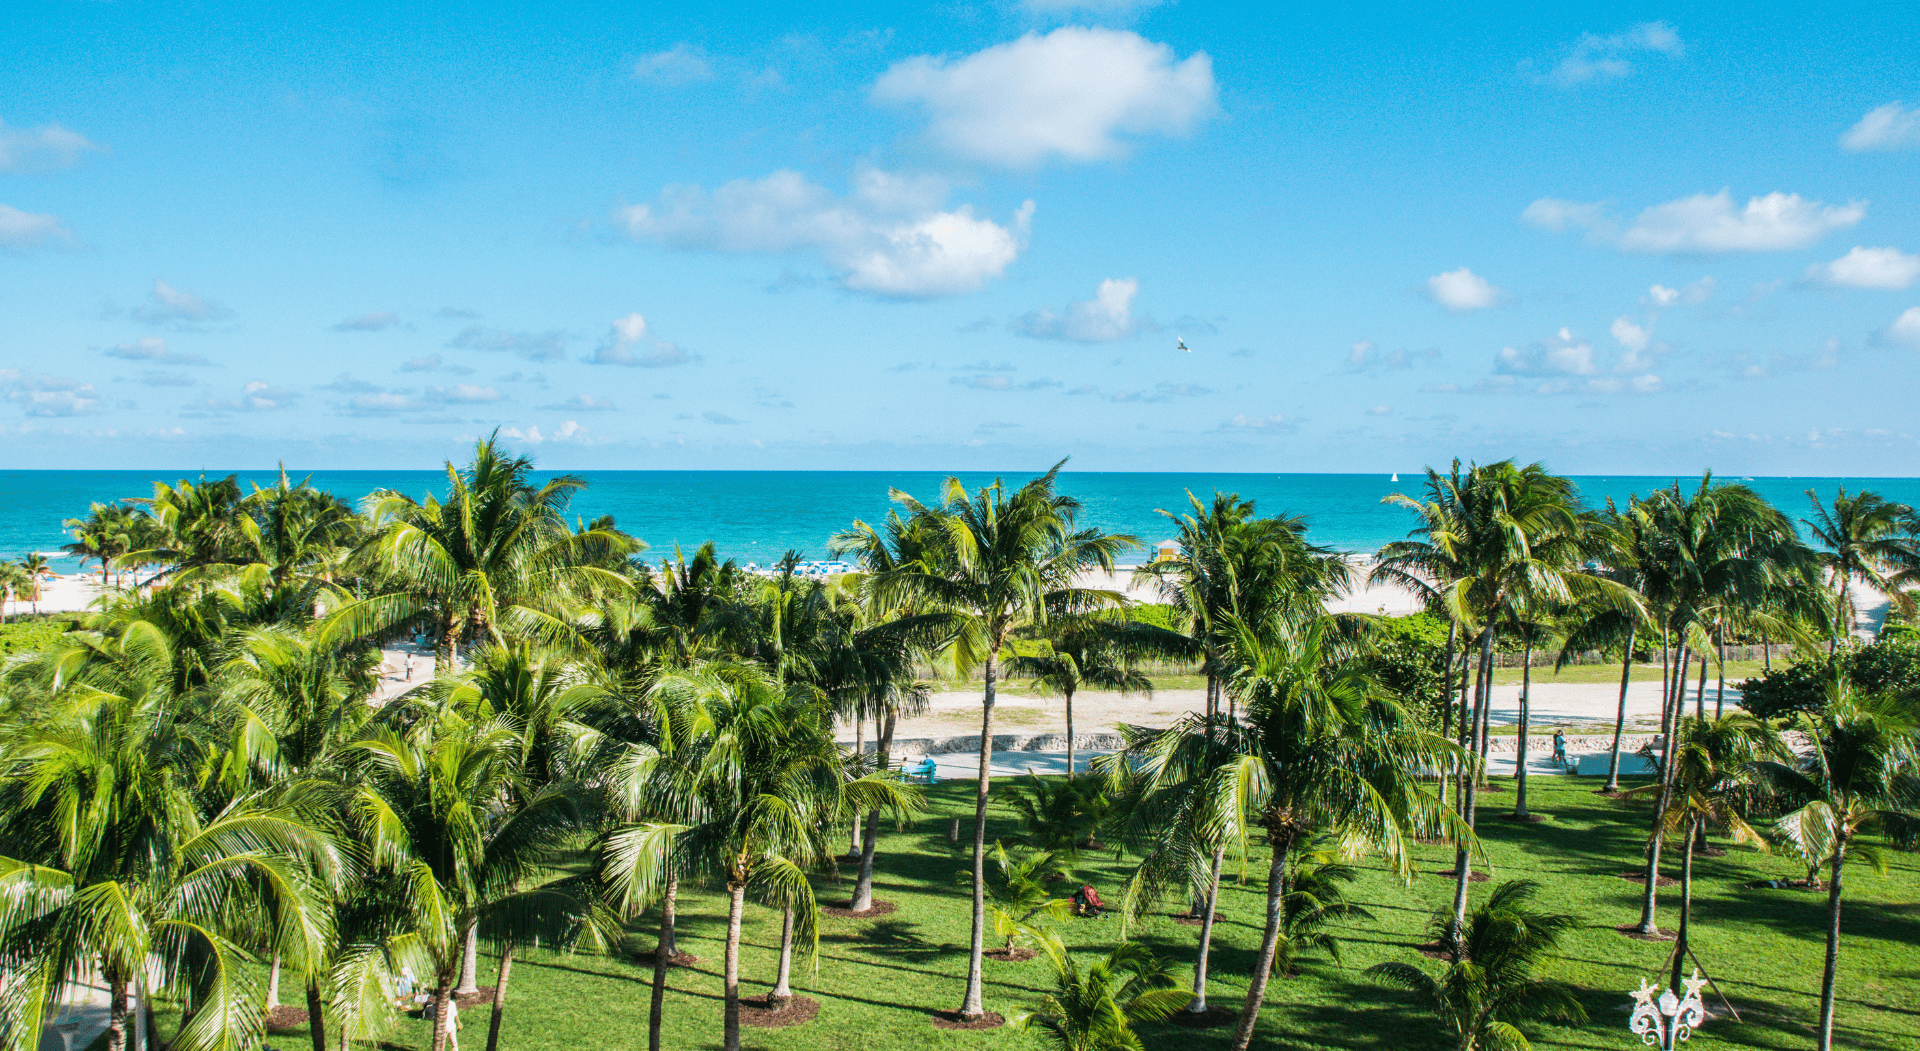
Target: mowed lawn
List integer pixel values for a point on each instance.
(879, 980)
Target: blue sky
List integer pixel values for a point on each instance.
(1620, 239)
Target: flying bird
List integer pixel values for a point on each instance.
(1183, 345)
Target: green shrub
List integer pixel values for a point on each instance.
(1890, 665)
(1158, 614)
(30, 634)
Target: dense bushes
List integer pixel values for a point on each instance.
(30, 634)
(1890, 665)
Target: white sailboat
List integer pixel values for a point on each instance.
(1395, 478)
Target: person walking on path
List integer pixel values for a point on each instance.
(1559, 746)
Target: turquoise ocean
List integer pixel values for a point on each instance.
(754, 516)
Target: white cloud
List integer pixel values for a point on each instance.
(20, 230)
(1560, 355)
(1890, 127)
(584, 403)
(180, 308)
(433, 363)
(256, 396)
(535, 346)
(1380, 410)
(1462, 291)
(345, 383)
(42, 148)
(680, 64)
(1106, 317)
(628, 333)
(889, 237)
(1630, 335)
(1244, 422)
(374, 322)
(1594, 57)
(1867, 268)
(1906, 328)
(1074, 92)
(152, 348)
(45, 395)
(464, 394)
(1661, 297)
(1704, 224)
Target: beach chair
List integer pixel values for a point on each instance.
(923, 772)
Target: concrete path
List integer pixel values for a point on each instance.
(966, 765)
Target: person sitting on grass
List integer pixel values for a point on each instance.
(1086, 902)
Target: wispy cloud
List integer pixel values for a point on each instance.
(46, 395)
(178, 308)
(152, 349)
(1595, 57)
(1881, 268)
(1704, 224)
(43, 148)
(21, 231)
(534, 346)
(679, 65)
(1463, 291)
(378, 321)
(1107, 317)
(1889, 127)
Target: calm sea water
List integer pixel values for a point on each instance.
(757, 515)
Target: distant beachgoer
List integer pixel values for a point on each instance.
(409, 667)
(1559, 746)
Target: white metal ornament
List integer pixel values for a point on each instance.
(1667, 1021)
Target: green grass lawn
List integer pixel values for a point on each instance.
(879, 979)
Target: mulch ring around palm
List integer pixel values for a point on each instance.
(1527, 819)
(482, 995)
(1214, 1015)
(1779, 884)
(287, 1016)
(1434, 951)
(1013, 955)
(1641, 878)
(954, 1020)
(1477, 877)
(879, 908)
(1633, 931)
(764, 1012)
(1188, 919)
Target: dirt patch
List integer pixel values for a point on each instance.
(482, 995)
(763, 1012)
(1188, 919)
(1490, 787)
(1641, 878)
(1606, 793)
(1709, 852)
(1017, 954)
(1632, 930)
(1477, 877)
(1524, 819)
(287, 1017)
(679, 959)
(879, 908)
(1214, 1015)
(953, 1020)
(1780, 884)
(1434, 951)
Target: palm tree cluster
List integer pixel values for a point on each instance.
(219, 740)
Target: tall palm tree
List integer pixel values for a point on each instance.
(1868, 542)
(998, 562)
(1859, 775)
(118, 861)
(1085, 653)
(1096, 1009)
(1490, 987)
(35, 565)
(1329, 754)
(496, 557)
(14, 583)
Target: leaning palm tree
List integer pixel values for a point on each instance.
(1859, 775)
(1096, 1009)
(997, 562)
(1490, 987)
(1329, 754)
(496, 557)
(1868, 543)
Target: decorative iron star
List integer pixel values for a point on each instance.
(1645, 994)
(1694, 984)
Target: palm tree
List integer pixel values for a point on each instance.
(14, 582)
(1082, 653)
(119, 862)
(457, 843)
(998, 563)
(1713, 781)
(1017, 894)
(1490, 988)
(1868, 542)
(496, 557)
(1096, 1009)
(1859, 775)
(35, 565)
(1328, 754)
(1316, 901)
(1062, 817)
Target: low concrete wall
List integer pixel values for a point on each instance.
(911, 746)
(1585, 743)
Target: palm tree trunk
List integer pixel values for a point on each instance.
(1069, 693)
(117, 1012)
(442, 997)
(782, 991)
(1841, 622)
(863, 885)
(1462, 868)
(1669, 726)
(273, 983)
(316, 1016)
(661, 954)
(470, 963)
(1686, 906)
(1700, 698)
(499, 999)
(1520, 755)
(971, 1005)
(1720, 691)
(1484, 724)
(1269, 944)
(1212, 902)
(1620, 720)
(1446, 696)
(736, 900)
(859, 752)
(1833, 947)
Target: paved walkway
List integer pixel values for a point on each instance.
(966, 765)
